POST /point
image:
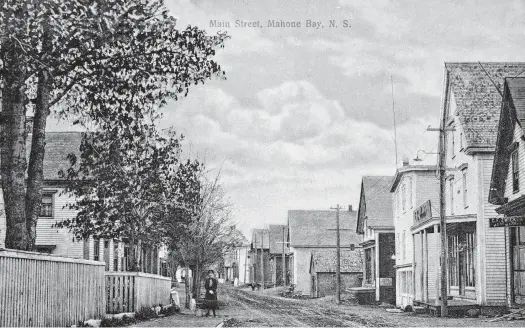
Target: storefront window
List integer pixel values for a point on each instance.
(368, 266)
(462, 259)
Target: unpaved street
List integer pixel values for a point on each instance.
(242, 307)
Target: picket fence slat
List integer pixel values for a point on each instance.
(44, 290)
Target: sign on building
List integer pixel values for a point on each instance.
(507, 221)
(423, 213)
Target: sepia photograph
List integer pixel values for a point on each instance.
(262, 163)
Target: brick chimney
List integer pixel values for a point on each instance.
(406, 161)
(349, 208)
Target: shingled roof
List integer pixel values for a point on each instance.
(58, 146)
(512, 110)
(375, 203)
(278, 235)
(478, 100)
(316, 228)
(324, 260)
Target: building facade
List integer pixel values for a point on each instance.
(260, 257)
(312, 230)
(477, 258)
(508, 186)
(375, 223)
(411, 186)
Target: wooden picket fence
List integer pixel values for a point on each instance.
(131, 291)
(44, 290)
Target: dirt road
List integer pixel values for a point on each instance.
(253, 309)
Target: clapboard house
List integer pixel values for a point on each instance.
(323, 268)
(508, 186)
(59, 241)
(313, 230)
(477, 262)
(375, 224)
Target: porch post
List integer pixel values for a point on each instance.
(377, 263)
(101, 255)
(438, 275)
(111, 257)
(120, 255)
(413, 266)
(425, 265)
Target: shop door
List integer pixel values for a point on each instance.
(518, 251)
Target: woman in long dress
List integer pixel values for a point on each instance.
(210, 284)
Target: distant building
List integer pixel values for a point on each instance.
(279, 249)
(236, 264)
(260, 250)
(323, 264)
(375, 223)
(508, 186)
(312, 230)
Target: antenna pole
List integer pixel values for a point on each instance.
(394, 112)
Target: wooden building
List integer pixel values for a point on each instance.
(54, 209)
(477, 260)
(279, 250)
(375, 223)
(260, 250)
(312, 230)
(323, 271)
(411, 186)
(508, 186)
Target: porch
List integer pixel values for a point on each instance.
(455, 306)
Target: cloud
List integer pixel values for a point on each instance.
(296, 139)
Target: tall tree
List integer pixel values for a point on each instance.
(125, 184)
(95, 60)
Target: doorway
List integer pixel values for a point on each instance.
(518, 264)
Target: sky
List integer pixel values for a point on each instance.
(306, 111)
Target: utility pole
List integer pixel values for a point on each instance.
(338, 257)
(284, 256)
(262, 258)
(442, 220)
(255, 257)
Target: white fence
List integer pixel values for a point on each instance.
(44, 290)
(131, 291)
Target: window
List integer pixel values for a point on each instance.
(96, 249)
(453, 145)
(462, 259)
(368, 266)
(46, 210)
(465, 204)
(404, 245)
(403, 197)
(451, 192)
(409, 192)
(515, 172)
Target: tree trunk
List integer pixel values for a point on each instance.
(187, 288)
(35, 175)
(13, 147)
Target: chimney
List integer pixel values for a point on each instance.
(405, 161)
(349, 208)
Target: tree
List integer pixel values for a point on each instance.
(125, 185)
(209, 234)
(91, 60)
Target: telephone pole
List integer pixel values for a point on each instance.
(442, 219)
(284, 242)
(262, 259)
(338, 256)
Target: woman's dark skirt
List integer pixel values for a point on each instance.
(210, 301)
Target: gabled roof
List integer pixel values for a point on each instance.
(278, 235)
(477, 98)
(512, 111)
(324, 260)
(375, 203)
(261, 235)
(316, 228)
